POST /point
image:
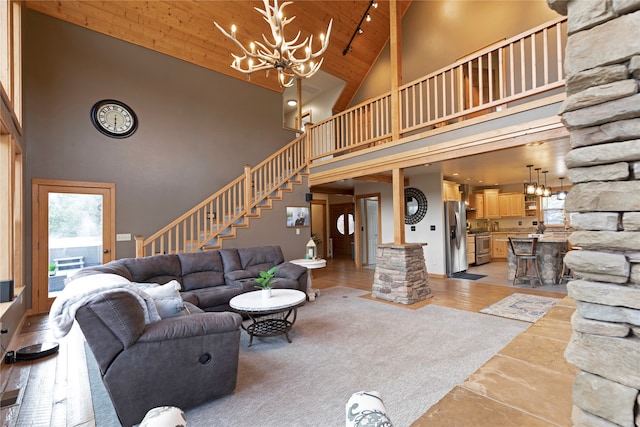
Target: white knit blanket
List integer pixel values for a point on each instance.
(84, 289)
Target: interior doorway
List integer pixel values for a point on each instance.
(368, 214)
(319, 225)
(73, 227)
(341, 230)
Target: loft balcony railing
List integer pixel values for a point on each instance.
(491, 79)
(502, 75)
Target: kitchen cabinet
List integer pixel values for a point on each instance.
(499, 245)
(491, 204)
(487, 204)
(479, 205)
(471, 249)
(511, 205)
(451, 191)
(531, 205)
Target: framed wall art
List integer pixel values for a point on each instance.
(298, 216)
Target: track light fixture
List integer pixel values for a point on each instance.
(365, 17)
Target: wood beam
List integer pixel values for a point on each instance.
(395, 43)
(381, 178)
(398, 206)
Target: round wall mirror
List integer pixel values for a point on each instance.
(415, 205)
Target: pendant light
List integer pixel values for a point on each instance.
(539, 188)
(562, 194)
(546, 191)
(529, 187)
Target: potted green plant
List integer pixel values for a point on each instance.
(265, 280)
(52, 269)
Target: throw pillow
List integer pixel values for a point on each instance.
(167, 298)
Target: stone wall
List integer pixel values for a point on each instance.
(602, 113)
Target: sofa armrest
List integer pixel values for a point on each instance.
(190, 326)
(288, 270)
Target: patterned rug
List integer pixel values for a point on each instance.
(525, 307)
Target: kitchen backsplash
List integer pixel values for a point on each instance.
(504, 224)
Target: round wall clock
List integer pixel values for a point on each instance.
(415, 205)
(114, 118)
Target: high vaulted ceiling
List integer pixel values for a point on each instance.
(184, 29)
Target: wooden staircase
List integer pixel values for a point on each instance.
(218, 217)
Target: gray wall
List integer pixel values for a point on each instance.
(438, 33)
(197, 127)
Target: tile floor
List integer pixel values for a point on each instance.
(528, 383)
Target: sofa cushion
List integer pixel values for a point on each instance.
(290, 270)
(154, 269)
(260, 258)
(114, 267)
(201, 270)
(230, 259)
(281, 283)
(218, 295)
(239, 275)
(167, 297)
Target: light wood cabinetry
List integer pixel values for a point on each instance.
(491, 204)
(451, 191)
(471, 249)
(531, 206)
(499, 245)
(511, 205)
(479, 205)
(487, 204)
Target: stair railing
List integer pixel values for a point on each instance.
(231, 206)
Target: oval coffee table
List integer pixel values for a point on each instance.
(269, 316)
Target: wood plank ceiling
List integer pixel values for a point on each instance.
(184, 29)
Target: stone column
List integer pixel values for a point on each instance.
(401, 274)
(602, 113)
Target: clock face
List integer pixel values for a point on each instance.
(114, 118)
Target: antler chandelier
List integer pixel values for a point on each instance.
(276, 52)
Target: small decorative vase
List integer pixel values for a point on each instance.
(266, 293)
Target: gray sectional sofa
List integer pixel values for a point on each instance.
(160, 327)
(208, 279)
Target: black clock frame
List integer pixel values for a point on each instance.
(97, 125)
(423, 206)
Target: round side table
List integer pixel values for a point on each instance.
(310, 264)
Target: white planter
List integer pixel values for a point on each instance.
(266, 293)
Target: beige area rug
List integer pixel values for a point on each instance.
(525, 307)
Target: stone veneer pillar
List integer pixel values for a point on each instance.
(401, 274)
(602, 113)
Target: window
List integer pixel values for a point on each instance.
(345, 227)
(553, 212)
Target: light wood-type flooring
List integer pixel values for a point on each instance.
(528, 383)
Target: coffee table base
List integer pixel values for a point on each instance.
(271, 325)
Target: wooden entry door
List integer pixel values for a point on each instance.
(342, 229)
(73, 227)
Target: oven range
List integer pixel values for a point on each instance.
(483, 248)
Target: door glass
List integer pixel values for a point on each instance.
(75, 235)
(340, 225)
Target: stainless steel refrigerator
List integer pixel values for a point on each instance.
(455, 223)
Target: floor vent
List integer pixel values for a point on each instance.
(9, 398)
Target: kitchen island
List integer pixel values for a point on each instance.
(550, 252)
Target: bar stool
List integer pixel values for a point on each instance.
(528, 255)
(566, 273)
